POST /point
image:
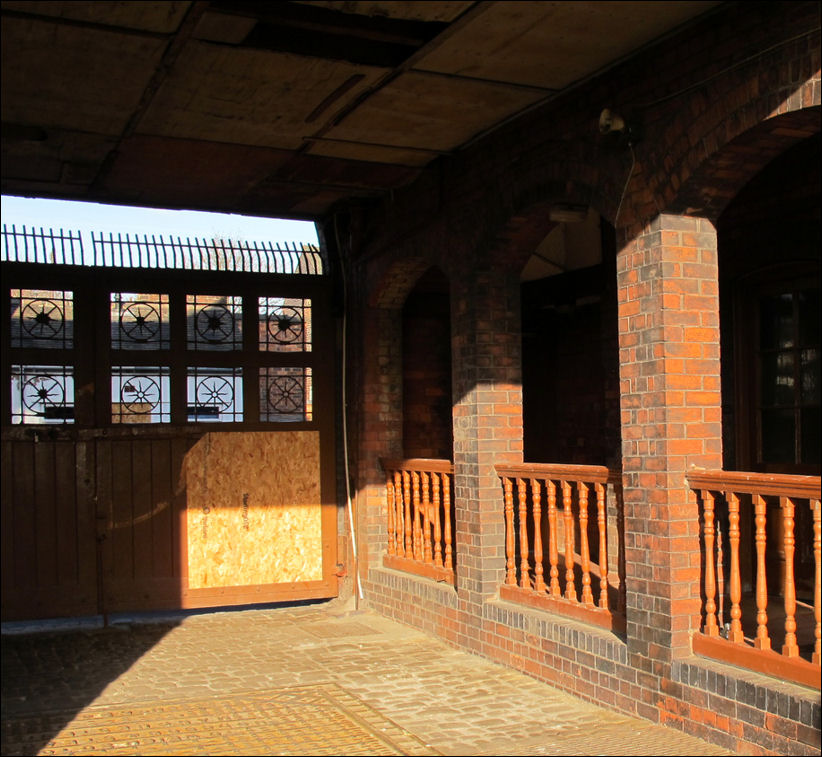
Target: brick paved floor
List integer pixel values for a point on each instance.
(314, 679)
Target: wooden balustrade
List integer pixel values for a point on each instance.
(587, 570)
(419, 517)
(767, 560)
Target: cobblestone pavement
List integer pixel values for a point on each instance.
(314, 679)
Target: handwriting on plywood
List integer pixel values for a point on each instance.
(253, 509)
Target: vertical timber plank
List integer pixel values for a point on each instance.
(9, 547)
(162, 526)
(67, 515)
(25, 553)
(122, 512)
(45, 514)
(143, 509)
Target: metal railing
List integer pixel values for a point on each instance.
(126, 251)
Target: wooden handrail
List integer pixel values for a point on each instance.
(592, 474)
(431, 465)
(741, 482)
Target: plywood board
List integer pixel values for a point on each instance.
(253, 509)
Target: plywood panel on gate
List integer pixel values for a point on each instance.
(253, 509)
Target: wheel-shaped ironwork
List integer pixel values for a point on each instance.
(140, 321)
(40, 392)
(285, 394)
(215, 391)
(215, 323)
(139, 394)
(42, 319)
(285, 325)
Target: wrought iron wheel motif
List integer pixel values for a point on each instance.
(140, 321)
(285, 325)
(285, 394)
(42, 391)
(137, 392)
(42, 319)
(215, 391)
(215, 323)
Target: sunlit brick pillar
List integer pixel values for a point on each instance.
(670, 406)
(486, 350)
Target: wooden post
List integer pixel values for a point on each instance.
(762, 640)
(524, 577)
(553, 552)
(790, 647)
(735, 634)
(536, 496)
(511, 572)
(568, 517)
(603, 547)
(711, 628)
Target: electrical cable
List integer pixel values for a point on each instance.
(627, 181)
(349, 502)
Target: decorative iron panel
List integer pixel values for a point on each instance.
(42, 394)
(285, 394)
(139, 321)
(285, 324)
(43, 319)
(215, 394)
(214, 322)
(140, 394)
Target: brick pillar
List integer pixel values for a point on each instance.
(671, 420)
(487, 394)
(380, 427)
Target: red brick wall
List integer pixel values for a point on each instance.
(715, 104)
(426, 369)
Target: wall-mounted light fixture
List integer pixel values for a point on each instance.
(610, 122)
(613, 123)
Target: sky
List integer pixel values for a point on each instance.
(87, 217)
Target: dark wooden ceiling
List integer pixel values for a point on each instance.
(283, 109)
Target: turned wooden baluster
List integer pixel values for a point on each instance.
(406, 487)
(735, 634)
(415, 498)
(435, 480)
(603, 546)
(524, 577)
(711, 628)
(510, 561)
(817, 600)
(390, 507)
(568, 515)
(587, 594)
(446, 511)
(536, 496)
(762, 640)
(790, 647)
(400, 518)
(622, 594)
(553, 551)
(720, 572)
(427, 552)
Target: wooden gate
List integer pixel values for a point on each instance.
(168, 438)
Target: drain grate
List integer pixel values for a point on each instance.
(316, 720)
